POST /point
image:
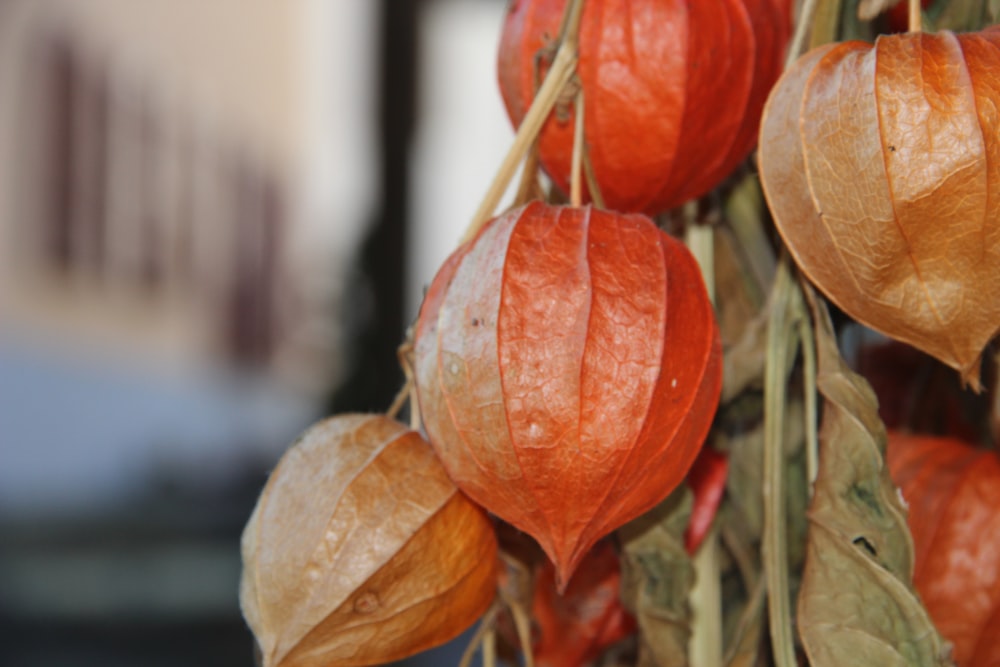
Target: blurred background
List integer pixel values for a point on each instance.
(217, 218)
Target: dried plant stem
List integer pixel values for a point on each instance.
(808, 339)
(802, 27)
(700, 240)
(490, 647)
(404, 353)
(755, 249)
(400, 400)
(576, 162)
(782, 339)
(592, 186)
(522, 623)
(561, 71)
(705, 644)
(485, 625)
(915, 17)
(529, 187)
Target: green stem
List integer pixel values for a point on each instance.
(782, 340)
(705, 644)
(802, 28)
(808, 339)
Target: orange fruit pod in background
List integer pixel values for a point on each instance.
(673, 90)
(361, 551)
(953, 492)
(568, 366)
(881, 166)
(577, 626)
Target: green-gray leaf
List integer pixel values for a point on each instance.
(657, 576)
(857, 606)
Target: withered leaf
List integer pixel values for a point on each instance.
(657, 576)
(361, 550)
(857, 605)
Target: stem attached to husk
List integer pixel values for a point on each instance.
(802, 27)
(559, 74)
(782, 340)
(705, 644)
(404, 353)
(576, 163)
(915, 16)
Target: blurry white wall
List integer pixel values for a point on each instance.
(101, 377)
(463, 131)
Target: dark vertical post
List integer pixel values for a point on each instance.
(58, 191)
(375, 376)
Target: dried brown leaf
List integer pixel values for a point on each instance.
(657, 576)
(857, 605)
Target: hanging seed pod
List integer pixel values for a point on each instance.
(673, 90)
(568, 367)
(953, 492)
(361, 551)
(576, 627)
(881, 165)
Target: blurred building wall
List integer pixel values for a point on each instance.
(182, 186)
(181, 180)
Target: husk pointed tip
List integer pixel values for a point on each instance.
(971, 375)
(566, 566)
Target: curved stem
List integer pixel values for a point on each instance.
(485, 625)
(563, 66)
(801, 31)
(400, 400)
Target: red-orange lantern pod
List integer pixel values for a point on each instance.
(673, 90)
(953, 492)
(578, 625)
(568, 367)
